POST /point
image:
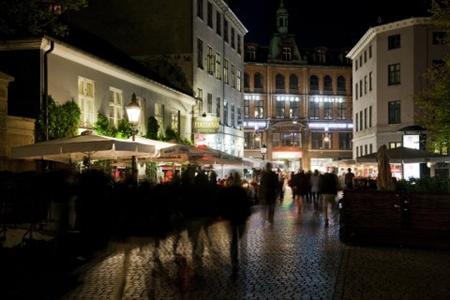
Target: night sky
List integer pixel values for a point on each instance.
(330, 23)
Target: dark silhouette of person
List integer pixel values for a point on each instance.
(349, 179)
(269, 187)
(328, 188)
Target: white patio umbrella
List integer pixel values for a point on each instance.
(88, 145)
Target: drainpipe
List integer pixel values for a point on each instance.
(45, 92)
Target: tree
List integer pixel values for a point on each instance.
(104, 127)
(63, 120)
(22, 18)
(152, 128)
(434, 101)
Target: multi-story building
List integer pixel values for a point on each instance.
(389, 62)
(297, 102)
(203, 37)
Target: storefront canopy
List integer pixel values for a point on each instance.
(406, 155)
(87, 145)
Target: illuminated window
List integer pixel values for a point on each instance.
(238, 80)
(246, 108)
(86, 101)
(116, 106)
(218, 66)
(211, 61)
(317, 140)
(225, 112)
(225, 71)
(287, 54)
(159, 116)
(313, 110)
(291, 139)
(259, 109)
(341, 108)
(293, 109)
(199, 103)
(218, 107)
(279, 109)
(328, 110)
(233, 76)
(174, 124)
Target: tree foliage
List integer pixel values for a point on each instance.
(152, 128)
(104, 127)
(63, 120)
(22, 18)
(434, 101)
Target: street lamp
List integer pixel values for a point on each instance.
(133, 112)
(263, 151)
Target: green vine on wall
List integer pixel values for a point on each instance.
(104, 127)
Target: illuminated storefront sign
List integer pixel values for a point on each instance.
(288, 98)
(252, 97)
(333, 99)
(287, 155)
(255, 124)
(208, 124)
(411, 141)
(331, 125)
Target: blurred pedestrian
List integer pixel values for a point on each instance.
(314, 182)
(328, 188)
(349, 179)
(269, 188)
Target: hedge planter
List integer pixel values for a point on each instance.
(395, 219)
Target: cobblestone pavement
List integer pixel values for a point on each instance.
(295, 258)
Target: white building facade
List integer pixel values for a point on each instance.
(218, 71)
(389, 63)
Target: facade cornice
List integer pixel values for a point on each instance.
(302, 66)
(231, 16)
(372, 32)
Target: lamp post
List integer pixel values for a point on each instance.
(133, 112)
(263, 151)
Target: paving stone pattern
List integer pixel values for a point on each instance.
(295, 258)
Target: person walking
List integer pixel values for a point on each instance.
(314, 182)
(328, 189)
(269, 188)
(349, 179)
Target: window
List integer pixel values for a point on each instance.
(251, 53)
(393, 145)
(357, 151)
(345, 140)
(239, 116)
(200, 9)
(365, 85)
(341, 85)
(218, 107)
(233, 76)
(232, 38)
(200, 53)
(238, 80)
(287, 54)
(218, 23)
(246, 82)
(360, 88)
(316, 140)
(293, 109)
(394, 74)
(361, 120)
(239, 43)
(209, 103)
(356, 65)
(86, 101)
(218, 66)
(246, 109)
(370, 81)
(370, 51)
(356, 122)
(115, 106)
(259, 109)
(293, 84)
(394, 41)
(291, 139)
(361, 150)
(440, 38)
(360, 61)
(328, 85)
(233, 116)
(279, 109)
(341, 108)
(314, 84)
(356, 90)
(225, 29)
(225, 71)
(199, 103)
(174, 121)
(370, 149)
(365, 149)
(313, 110)
(225, 112)
(210, 61)
(365, 118)
(159, 116)
(279, 83)
(328, 110)
(394, 112)
(370, 116)
(210, 16)
(365, 56)
(258, 82)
